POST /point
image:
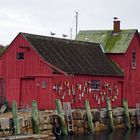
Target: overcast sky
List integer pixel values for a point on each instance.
(45, 16)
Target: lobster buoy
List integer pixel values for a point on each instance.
(57, 130)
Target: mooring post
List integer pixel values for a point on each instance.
(61, 117)
(126, 113)
(89, 116)
(109, 113)
(35, 118)
(15, 118)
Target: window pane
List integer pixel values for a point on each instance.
(133, 60)
(95, 84)
(20, 55)
(44, 84)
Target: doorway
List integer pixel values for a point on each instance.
(27, 92)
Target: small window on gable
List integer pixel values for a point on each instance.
(95, 85)
(133, 59)
(20, 55)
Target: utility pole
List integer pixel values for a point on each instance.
(76, 23)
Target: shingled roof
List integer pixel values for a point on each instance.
(73, 57)
(112, 43)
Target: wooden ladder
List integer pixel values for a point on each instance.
(69, 118)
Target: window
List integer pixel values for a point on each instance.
(95, 85)
(20, 55)
(133, 60)
(44, 84)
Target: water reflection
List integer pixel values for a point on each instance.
(116, 135)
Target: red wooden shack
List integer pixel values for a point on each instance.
(123, 47)
(42, 68)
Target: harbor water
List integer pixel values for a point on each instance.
(133, 134)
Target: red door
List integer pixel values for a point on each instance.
(27, 92)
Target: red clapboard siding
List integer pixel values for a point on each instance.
(18, 72)
(132, 76)
(76, 102)
(32, 79)
(27, 78)
(13, 90)
(31, 65)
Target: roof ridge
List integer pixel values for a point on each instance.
(57, 38)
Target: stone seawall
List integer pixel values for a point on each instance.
(101, 121)
(49, 119)
(26, 127)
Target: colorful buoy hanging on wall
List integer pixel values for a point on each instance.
(83, 90)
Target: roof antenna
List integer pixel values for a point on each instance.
(76, 17)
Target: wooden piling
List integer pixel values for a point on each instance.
(109, 113)
(126, 113)
(63, 124)
(35, 118)
(89, 116)
(15, 118)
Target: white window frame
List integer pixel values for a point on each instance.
(133, 60)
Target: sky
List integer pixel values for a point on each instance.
(58, 16)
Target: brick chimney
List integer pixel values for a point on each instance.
(116, 25)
